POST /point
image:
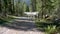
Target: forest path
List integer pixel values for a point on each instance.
(20, 26)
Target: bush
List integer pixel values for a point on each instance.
(51, 30)
(4, 20)
(45, 22)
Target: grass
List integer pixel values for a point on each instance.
(5, 20)
(51, 30)
(44, 23)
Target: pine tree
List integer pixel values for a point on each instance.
(33, 3)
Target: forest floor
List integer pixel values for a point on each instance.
(20, 26)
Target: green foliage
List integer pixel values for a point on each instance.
(42, 6)
(45, 22)
(51, 30)
(5, 20)
(49, 7)
(38, 5)
(2, 21)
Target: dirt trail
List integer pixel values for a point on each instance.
(20, 27)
